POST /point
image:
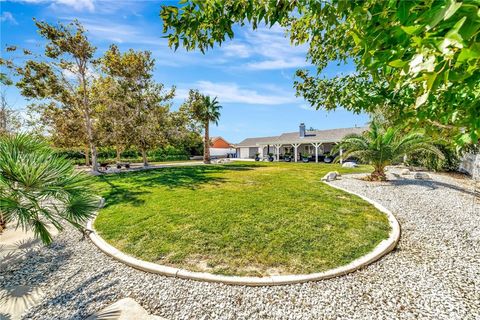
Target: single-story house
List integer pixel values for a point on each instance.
(315, 143)
(221, 148)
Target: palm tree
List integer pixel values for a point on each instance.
(39, 189)
(206, 110)
(382, 146)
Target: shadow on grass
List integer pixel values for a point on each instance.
(130, 186)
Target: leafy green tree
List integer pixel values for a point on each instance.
(63, 74)
(183, 133)
(39, 189)
(382, 146)
(114, 119)
(139, 106)
(204, 110)
(431, 47)
(63, 125)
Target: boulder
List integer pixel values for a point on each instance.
(421, 176)
(331, 176)
(405, 172)
(124, 309)
(349, 165)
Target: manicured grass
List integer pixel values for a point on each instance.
(242, 218)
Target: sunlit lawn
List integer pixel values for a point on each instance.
(241, 218)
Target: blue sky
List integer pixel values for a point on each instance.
(252, 75)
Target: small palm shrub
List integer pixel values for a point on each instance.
(381, 146)
(40, 189)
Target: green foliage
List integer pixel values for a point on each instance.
(135, 108)
(203, 110)
(450, 162)
(430, 48)
(61, 78)
(382, 146)
(39, 189)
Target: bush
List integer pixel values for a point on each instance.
(450, 163)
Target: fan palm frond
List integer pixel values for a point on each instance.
(40, 189)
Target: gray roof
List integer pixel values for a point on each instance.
(331, 135)
(253, 142)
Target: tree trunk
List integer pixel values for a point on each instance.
(3, 223)
(144, 156)
(91, 142)
(206, 145)
(378, 174)
(87, 156)
(119, 153)
(86, 110)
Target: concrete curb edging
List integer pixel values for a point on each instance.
(380, 250)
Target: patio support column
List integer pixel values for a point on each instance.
(316, 145)
(277, 146)
(295, 146)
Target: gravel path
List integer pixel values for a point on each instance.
(433, 274)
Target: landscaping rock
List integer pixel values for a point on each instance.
(433, 273)
(349, 165)
(405, 172)
(421, 176)
(124, 309)
(331, 176)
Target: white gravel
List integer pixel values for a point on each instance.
(433, 274)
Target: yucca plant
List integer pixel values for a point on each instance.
(381, 146)
(39, 189)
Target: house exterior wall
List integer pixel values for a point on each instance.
(221, 152)
(246, 152)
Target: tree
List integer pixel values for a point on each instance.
(64, 126)
(39, 189)
(64, 74)
(204, 110)
(115, 124)
(10, 121)
(138, 104)
(184, 133)
(431, 47)
(382, 146)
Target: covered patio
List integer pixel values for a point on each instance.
(317, 145)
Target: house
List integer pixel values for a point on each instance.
(221, 148)
(219, 142)
(315, 143)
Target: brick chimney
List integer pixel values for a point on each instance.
(302, 130)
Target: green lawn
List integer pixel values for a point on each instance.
(242, 218)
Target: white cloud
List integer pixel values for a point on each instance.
(236, 50)
(117, 32)
(8, 17)
(77, 5)
(268, 48)
(233, 93)
(292, 62)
